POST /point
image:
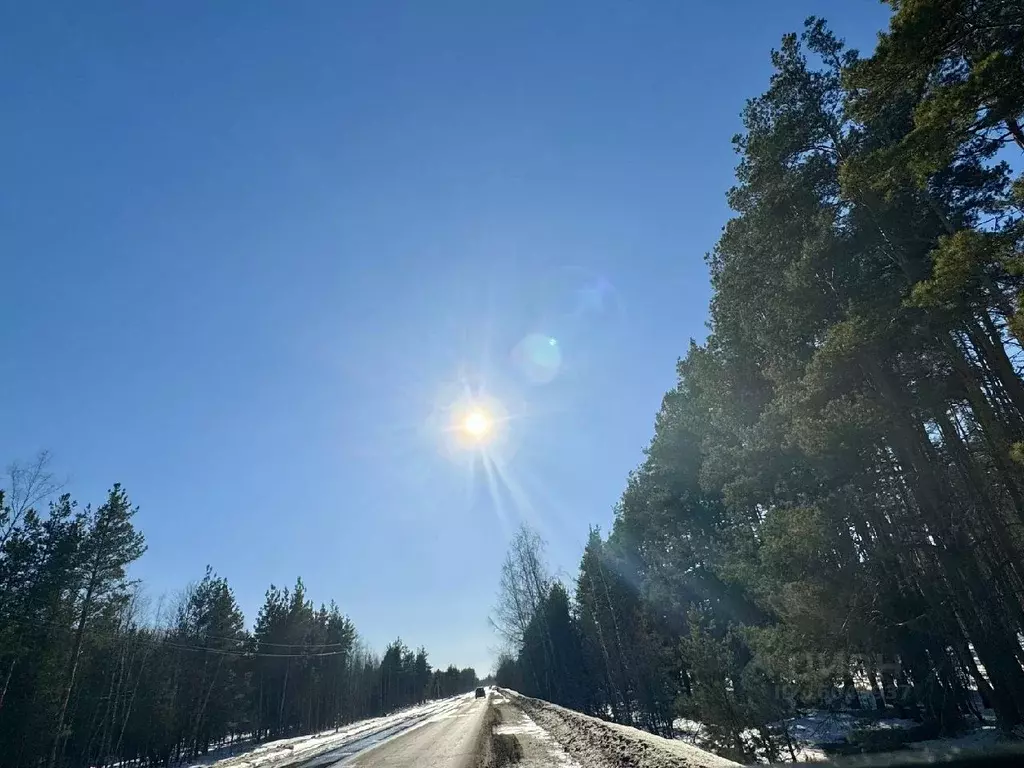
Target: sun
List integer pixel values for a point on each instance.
(476, 424)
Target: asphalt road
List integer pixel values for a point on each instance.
(445, 740)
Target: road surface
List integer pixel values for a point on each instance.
(448, 739)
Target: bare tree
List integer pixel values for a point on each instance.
(524, 583)
(27, 485)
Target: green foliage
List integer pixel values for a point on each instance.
(734, 698)
(833, 497)
(87, 678)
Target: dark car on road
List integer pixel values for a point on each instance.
(480, 693)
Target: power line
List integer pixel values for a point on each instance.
(162, 637)
(244, 653)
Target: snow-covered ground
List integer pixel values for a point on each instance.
(815, 736)
(594, 743)
(539, 750)
(544, 734)
(815, 732)
(360, 735)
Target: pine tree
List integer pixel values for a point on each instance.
(110, 543)
(151, 692)
(837, 475)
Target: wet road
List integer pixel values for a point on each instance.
(448, 739)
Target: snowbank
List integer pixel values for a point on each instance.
(534, 746)
(597, 744)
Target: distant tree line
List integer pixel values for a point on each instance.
(88, 678)
(833, 498)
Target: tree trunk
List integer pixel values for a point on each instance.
(7, 682)
(1015, 130)
(131, 702)
(284, 691)
(876, 691)
(72, 669)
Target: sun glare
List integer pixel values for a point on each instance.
(476, 424)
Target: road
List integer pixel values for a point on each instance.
(448, 739)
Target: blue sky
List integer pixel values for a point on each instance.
(253, 252)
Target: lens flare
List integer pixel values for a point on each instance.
(538, 357)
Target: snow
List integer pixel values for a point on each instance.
(596, 743)
(822, 727)
(351, 738)
(984, 738)
(814, 731)
(811, 731)
(538, 747)
(599, 744)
